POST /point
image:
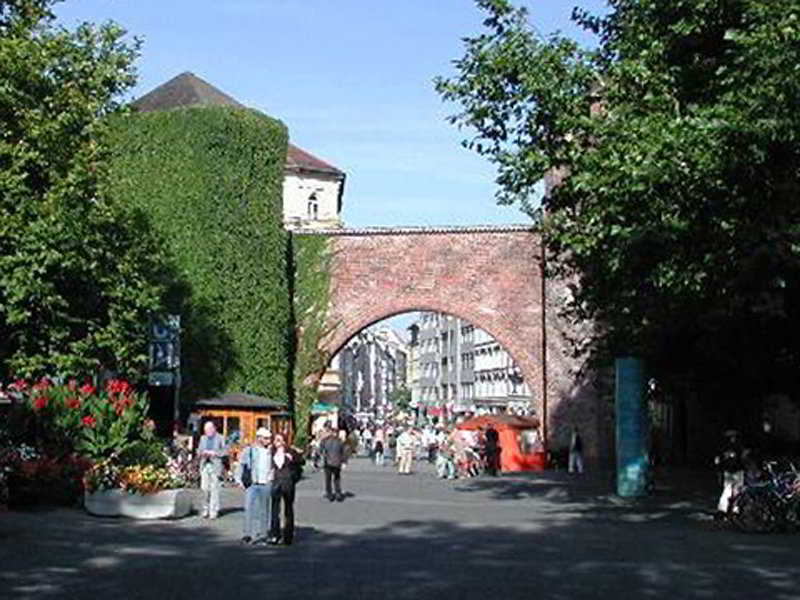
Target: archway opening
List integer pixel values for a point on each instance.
(427, 366)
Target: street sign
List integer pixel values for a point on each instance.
(159, 378)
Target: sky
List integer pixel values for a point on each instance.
(352, 80)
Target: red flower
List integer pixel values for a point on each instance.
(87, 389)
(19, 385)
(72, 403)
(40, 402)
(118, 386)
(89, 421)
(42, 384)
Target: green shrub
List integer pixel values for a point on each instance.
(143, 452)
(210, 181)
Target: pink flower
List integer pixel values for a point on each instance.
(72, 385)
(20, 385)
(42, 384)
(89, 421)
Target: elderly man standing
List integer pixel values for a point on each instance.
(255, 475)
(211, 451)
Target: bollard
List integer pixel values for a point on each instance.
(632, 463)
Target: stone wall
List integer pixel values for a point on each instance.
(489, 276)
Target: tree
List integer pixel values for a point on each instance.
(80, 275)
(400, 397)
(675, 150)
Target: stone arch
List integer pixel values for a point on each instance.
(489, 276)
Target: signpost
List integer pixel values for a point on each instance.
(165, 356)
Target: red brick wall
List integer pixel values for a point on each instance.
(490, 277)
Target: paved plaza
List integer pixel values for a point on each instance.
(549, 536)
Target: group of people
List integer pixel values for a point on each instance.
(267, 470)
(455, 452)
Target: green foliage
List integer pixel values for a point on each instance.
(678, 143)
(143, 452)
(312, 280)
(210, 181)
(400, 398)
(64, 419)
(114, 420)
(79, 273)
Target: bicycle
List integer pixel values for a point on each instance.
(769, 505)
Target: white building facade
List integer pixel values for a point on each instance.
(464, 369)
(371, 367)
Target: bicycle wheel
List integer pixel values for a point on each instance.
(791, 517)
(751, 513)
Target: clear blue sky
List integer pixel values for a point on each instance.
(352, 79)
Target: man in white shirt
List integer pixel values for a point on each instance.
(405, 451)
(256, 461)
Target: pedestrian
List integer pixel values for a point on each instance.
(730, 461)
(255, 475)
(285, 464)
(575, 452)
(334, 458)
(492, 450)
(405, 452)
(429, 443)
(366, 438)
(379, 440)
(211, 450)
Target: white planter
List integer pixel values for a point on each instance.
(166, 504)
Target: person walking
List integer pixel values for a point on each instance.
(334, 458)
(255, 475)
(211, 450)
(492, 450)
(285, 464)
(575, 452)
(730, 461)
(405, 452)
(379, 441)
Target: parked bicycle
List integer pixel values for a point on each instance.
(770, 504)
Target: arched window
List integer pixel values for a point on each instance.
(313, 206)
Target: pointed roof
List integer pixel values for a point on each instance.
(187, 89)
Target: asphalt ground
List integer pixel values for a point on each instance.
(549, 536)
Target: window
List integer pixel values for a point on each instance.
(313, 206)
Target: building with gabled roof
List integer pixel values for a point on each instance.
(313, 189)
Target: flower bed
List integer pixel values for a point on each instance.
(70, 443)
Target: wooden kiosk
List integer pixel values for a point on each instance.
(237, 416)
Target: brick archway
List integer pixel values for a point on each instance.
(489, 276)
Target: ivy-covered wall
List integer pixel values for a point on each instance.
(311, 256)
(209, 180)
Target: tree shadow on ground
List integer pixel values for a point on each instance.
(68, 554)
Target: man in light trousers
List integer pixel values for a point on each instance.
(257, 459)
(211, 451)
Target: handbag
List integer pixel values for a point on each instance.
(247, 471)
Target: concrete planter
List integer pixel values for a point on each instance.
(166, 504)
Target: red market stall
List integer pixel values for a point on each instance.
(521, 448)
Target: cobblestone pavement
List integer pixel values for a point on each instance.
(549, 536)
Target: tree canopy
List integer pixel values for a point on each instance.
(80, 274)
(673, 153)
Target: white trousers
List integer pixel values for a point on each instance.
(576, 462)
(210, 484)
(731, 482)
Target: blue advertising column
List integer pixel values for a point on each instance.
(632, 428)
